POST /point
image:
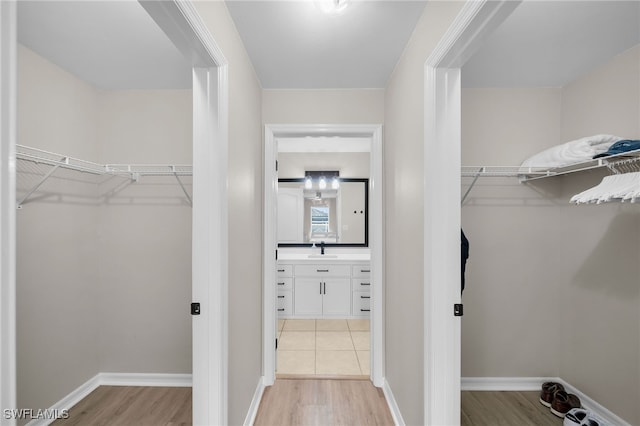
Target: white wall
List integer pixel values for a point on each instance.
(540, 268)
(144, 234)
(339, 106)
(404, 200)
(57, 263)
(513, 274)
(103, 282)
(245, 212)
(604, 279)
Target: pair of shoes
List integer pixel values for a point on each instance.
(582, 417)
(564, 402)
(549, 389)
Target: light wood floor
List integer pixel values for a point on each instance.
(323, 402)
(505, 408)
(132, 405)
(299, 402)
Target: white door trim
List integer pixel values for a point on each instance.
(376, 242)
(8, 125)
(181, 22)
(442, 98)
(184, 26)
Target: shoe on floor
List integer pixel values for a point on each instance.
(582, 417)
(548, 390)
(563, 402)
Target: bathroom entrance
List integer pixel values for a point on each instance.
(323, 286)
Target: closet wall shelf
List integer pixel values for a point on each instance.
(619, 163)
(131, 171)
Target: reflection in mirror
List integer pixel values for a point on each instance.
(313, 215)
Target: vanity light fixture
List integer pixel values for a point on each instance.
(322, 177)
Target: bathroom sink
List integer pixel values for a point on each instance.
(323, 256)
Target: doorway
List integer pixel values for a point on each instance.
(270, 273)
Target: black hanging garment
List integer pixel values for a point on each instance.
(464, 255)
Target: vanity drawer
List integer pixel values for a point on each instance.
(363, 271)
(323, 270)
(361, 303)
(284, 283)
(285, 270)
(361, 284)
(284, 303)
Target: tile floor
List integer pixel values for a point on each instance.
(328, 347)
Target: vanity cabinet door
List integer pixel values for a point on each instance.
(308, 296)
(336, 297)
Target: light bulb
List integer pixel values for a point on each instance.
(322, 184)
(332, 6)
(308, 183)
(335, 183)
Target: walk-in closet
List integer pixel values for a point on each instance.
(104, 186)
(552, 286)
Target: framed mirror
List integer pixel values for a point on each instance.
(334, 214)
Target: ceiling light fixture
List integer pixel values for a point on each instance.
(332, 6)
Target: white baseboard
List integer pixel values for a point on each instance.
(113, 379)
(534, 384)
(393, 405)
(70, 400)
(504, 383)
(592, 405)
(145, 379)
(255, 403)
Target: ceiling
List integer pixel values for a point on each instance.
(110, 44)
(551, 43)
(292, 45)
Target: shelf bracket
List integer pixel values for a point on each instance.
(475, 178)
(39, 184)
(182, 186)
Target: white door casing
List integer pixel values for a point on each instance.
(8, 125)
(376, 242)
(442, 98)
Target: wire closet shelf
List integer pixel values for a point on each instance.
(130, 171)
(620, 163)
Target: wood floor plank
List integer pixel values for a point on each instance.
(505, 408)
(295, 402)
(292, 402)
(128, 405)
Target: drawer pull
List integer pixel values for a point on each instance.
(280, 297)
(365, 270)
(365, 283)
(361, 297)
(280, 270)
(365, 310)
(280, 283)
(281, 310)
(322, 270)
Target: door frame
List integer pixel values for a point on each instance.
(376, 237)
(181, 22)
(442, 141)
(8, 126)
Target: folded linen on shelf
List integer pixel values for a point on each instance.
(571, 152)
